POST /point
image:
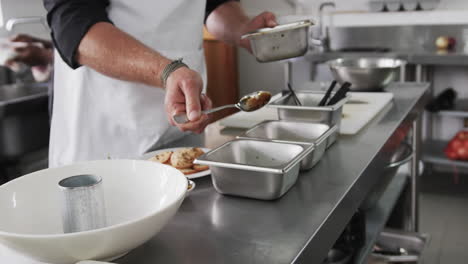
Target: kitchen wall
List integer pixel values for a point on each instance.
(23, 8)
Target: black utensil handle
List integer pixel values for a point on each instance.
(340, 94)
(324, 100)
(294, 95)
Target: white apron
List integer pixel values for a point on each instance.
(95, 116)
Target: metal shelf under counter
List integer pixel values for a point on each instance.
(460, 109)
(433, 152)
(377, 217)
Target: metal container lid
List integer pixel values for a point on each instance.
(279, 28)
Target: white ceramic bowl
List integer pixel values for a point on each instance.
(140, 197)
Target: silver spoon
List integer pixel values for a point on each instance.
(247, 103)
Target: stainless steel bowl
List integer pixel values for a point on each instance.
(280, 42)
(365, 74)
(301, 133)
(256, 169)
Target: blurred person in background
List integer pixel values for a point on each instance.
(38, 55)
(33, 52)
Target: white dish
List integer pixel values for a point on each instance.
(140, 197)
(190, 176)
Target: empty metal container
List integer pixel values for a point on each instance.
(310, 111)
(301, 133)
(281, 42)
(256, 169)
(413, 244)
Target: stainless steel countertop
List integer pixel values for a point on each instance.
(301, 226)
(21, 98)
(423, 58)
(14, 93)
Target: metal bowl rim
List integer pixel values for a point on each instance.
(279, 28)
(336, 63)
(328, 132)
(306, 150)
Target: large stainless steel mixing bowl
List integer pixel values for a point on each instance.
(365, 74)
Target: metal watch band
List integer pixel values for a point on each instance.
(170, 68)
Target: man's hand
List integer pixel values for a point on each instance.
(105, 48)
(30, 39)
(34, 52)
(31, 55)
(229, 22)
(183, 95)
(264, 20)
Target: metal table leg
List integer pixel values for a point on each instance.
(413, 223)
(424, 74)
(419, 73)
(287, 74)
(403, 73)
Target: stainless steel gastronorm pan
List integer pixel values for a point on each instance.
(301, 133)
(256, 169)
(281, 42)
(309, 111)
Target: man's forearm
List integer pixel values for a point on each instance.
(114, 53)
(227, 22)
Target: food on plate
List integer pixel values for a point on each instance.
(200, 167)
(182, 159)
(188, 171)
(196, 152)
(162, 157)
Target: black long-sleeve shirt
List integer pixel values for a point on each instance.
(70, 20)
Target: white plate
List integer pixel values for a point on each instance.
(149, 155)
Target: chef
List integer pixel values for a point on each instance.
(124, 68)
